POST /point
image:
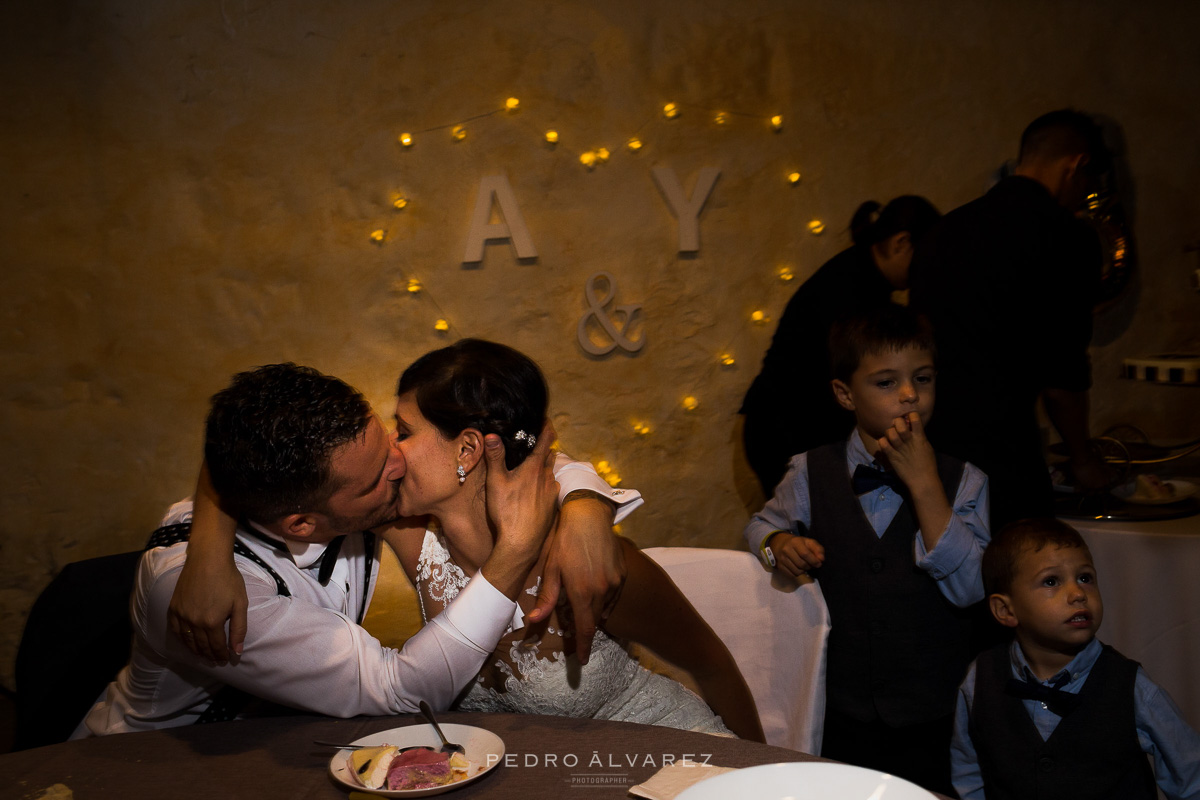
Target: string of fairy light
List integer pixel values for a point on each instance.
(589, 160)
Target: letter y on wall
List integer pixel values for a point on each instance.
(685, 209)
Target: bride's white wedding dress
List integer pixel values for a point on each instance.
(530, 674)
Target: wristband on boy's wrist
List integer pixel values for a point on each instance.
(764, 549)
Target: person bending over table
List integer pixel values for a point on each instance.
(1008, 282)
(789, 407)
(449, 403)
(310, 467)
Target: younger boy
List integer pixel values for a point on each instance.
(1057, 713)
(894, 533)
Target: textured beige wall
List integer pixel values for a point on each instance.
(189, 189)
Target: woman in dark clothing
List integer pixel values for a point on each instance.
(790, 407)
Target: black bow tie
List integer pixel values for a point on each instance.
(1055, 699)
(868, 479)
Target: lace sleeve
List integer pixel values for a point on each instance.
(439, 579)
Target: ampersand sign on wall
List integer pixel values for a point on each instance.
(615, 329)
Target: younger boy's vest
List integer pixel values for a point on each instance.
(897, 647)
(1093, 754)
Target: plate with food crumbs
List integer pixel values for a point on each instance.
(408, 762)
(1148, 490)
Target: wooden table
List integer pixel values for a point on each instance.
(275, 758)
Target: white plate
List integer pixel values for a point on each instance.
(805, 781)
(1183, 490)
(484, 750)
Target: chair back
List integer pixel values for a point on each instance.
(775, 628)
(77, 638)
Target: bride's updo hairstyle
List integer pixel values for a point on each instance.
(484, 385)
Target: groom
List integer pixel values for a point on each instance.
(303, 458)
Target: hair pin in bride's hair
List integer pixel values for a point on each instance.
(528, 438)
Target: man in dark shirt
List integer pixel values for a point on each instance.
(1009, 282)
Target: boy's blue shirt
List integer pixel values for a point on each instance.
(954, 563)
(1162, 731)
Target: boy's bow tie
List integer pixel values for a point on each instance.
(1054, 698)
(868, 479)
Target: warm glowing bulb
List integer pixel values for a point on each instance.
(641, 428)
(633, 145)
(552, 137)
(603, 468)
(777, 122)
(670, 111)
(786, 274)
(602, 154)
(414, 285)
(377, 236)
(721, 118)
(400, 202)
(727, 359)
(613, 479)
(441, 325)
(758, 317)
(588, 159)
(690, 403)
(406, 139)
(816, 227)
(616, 529)
(512, 104)
(458, 133)
(793, 178)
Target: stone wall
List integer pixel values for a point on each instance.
(190, 189)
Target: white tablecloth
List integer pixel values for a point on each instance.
(1149, 574)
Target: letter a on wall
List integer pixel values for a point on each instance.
(494, 189)
(686, 209)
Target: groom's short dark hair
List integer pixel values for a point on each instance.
(270, 437)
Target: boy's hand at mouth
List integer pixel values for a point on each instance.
(906, 450)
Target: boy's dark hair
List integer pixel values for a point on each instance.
(484, 385)
(884, 329)
(1064, 133)
(1001, 556)
(271, 434)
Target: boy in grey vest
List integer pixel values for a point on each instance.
(1056, 713)
(894, 534)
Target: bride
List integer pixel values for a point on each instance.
(448, 402)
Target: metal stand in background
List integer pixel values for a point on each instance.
(1127, 447)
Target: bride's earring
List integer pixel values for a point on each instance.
(462, 474)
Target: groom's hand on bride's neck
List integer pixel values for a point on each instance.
(521, 506)
(585, 558)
